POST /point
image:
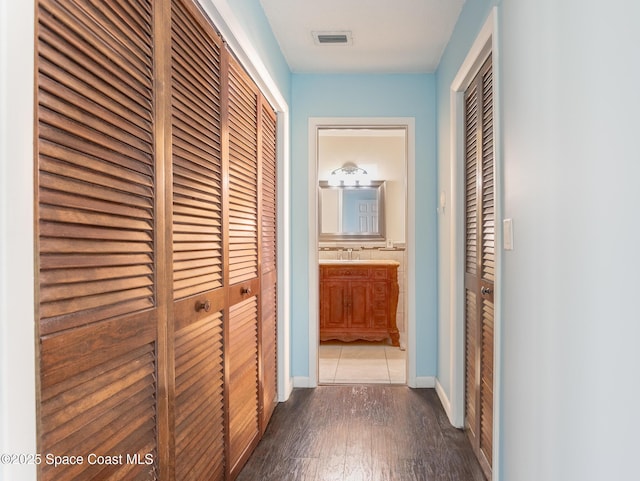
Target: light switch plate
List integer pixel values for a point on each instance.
(507, 234)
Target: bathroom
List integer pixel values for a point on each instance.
(363, 169)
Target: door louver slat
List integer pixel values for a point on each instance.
(197, 163)
(268, 239)
(486, 388)
(243, 390)
(199, 400)
(470, 360)
(471, 179)
(243, 177)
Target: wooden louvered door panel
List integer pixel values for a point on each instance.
(268, 250)
(242, 353)
(479, 264)
(197, 245)
(99, 255)
(156, 244)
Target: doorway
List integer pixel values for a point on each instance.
(479, 272)
(475, 320)
(383, 148)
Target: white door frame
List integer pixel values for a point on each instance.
(486, 42)
(316, 123)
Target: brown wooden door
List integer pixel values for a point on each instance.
(241, 224)
(268, 263)
(156, 244)
(100, 245)
(479, 264)
(197, 254)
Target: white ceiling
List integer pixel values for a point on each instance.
(389, 36)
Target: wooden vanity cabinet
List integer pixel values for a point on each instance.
(359, 302)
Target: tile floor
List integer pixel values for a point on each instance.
(361, 362)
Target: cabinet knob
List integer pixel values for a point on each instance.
(203, 306)
(486, 291)
(245, 290)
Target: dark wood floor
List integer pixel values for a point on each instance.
(362, 432)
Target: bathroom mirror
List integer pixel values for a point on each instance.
(351, 213)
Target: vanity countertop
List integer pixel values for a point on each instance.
(359, 262)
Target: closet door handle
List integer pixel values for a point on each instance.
(486, 291)
(203, 306)
(245, 290)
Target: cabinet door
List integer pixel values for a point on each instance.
(359, 304)
(334, 297)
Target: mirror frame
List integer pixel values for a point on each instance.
(354, 236)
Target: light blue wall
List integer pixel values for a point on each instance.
(367, 96)
(250, 15)
(353, 96)
(469, 24)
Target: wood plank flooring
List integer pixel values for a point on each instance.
(362, 433)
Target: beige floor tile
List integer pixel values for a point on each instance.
(361, 362)
(362, 370)
(327, 369)
(397, 370)
(329, 351)
(362, 352)
(392, 352)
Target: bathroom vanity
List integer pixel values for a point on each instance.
(359, 300)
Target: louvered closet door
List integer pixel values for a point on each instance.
(268, 249)
(99, 254)
(479, 264)
(197, 245)
(242, 353)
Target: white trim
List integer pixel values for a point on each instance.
(485, 43)
(425, 382)
(303, 381)
(285, 382)
(399, 122)
(18, 433)
(222, 16)
(444, 399)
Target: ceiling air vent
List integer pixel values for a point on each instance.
(332, 38)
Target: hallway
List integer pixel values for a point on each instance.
(362, 432)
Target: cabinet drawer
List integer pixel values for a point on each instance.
(379, 290)
(381, 272)
(353, 272)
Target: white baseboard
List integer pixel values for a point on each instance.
(302, 381)
(444, 399)
(425, 382)
(286, 390)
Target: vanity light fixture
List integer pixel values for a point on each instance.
(349, 175)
